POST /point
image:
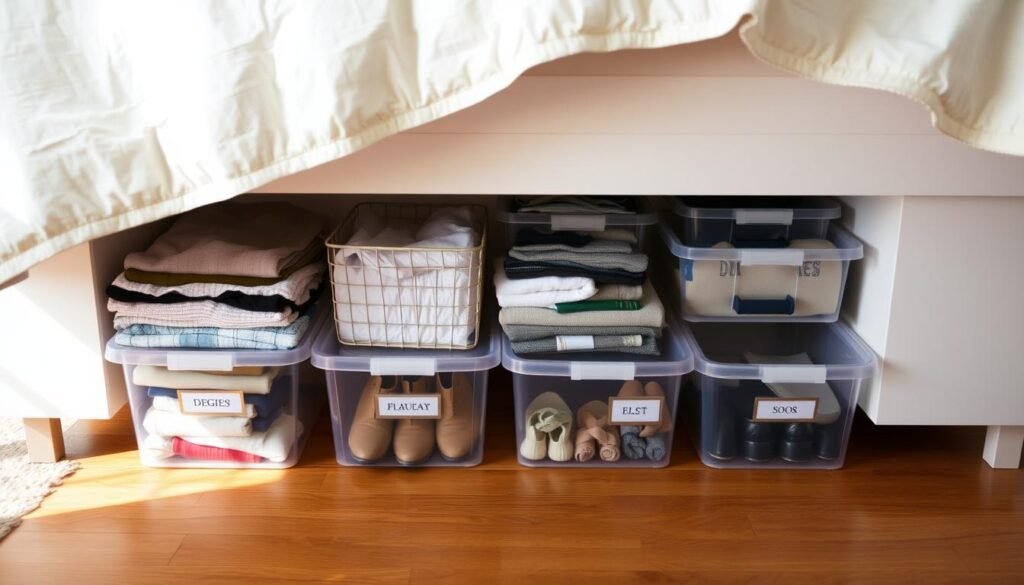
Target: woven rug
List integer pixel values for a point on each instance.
(23, 485)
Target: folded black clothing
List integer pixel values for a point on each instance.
(522, 269)
(236, 299)
(533, 236)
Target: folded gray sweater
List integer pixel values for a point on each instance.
(633, 262)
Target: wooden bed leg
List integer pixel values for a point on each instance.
(1003, 447)
(45, 439)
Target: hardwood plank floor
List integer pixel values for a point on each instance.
(912, 505)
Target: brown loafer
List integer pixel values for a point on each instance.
(457, 429)
(368, 436)
(414, 437)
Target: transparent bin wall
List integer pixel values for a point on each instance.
(576, 393)
(302, 403)
(707, 221)
(346, 388)
(640, 224)
(719, 407)
(714, 285)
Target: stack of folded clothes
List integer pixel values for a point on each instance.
(228, 276)
(577, 291)
(266, 431)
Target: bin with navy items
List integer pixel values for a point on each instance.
(802, 282)
(774, 395)
(597, 409)
(620, 218)
(222, 408)
(753, 222)
(408, 407)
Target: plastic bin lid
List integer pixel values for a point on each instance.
(847, 247)
(675, 360)
(645, 215)
(765, 210)
(329, 354)
(216, 359)
(720, 351)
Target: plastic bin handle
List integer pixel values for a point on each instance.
(793, 374)
(784, 306)
(602, 371)
(200, 361)
(583, 223)
(764, 216)
(403, 366)
(772, 257)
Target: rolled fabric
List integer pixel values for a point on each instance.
(657, 447)
(633, 447)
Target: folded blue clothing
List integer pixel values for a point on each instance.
(261, 424)
(266, 404)
(141, 335)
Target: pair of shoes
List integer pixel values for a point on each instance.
(548, 429)
(593, 430)
(413, 439)
(793, 442)
(648, 441)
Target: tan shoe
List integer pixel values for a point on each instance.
(369, 437)
(654, 390)
(414, 437)
(457, 429)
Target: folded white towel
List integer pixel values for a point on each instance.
(273, 445)
(191, 380)
(175, 424)
(540, 292)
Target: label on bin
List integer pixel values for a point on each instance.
(216, 402)
(785, 409)
(409, 406)
(635, 411)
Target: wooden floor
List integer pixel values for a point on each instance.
(912, 505)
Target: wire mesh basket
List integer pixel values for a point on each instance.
(410, 296)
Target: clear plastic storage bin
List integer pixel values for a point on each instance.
(802, 282)
(774, 395)
(623, 410)
(222, 408)
(753, 222)
(639, 223)
(408, 407)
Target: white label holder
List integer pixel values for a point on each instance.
(200, 361)
(405, 406)
(785, 409)
(793, 374)
(583, 223)
(403, 366)
(764, 216)
(764, 257)
(602, 371)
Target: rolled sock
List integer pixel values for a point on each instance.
(633, 447)
(656, 447)
(183, 448)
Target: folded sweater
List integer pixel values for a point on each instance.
(273, 445)
(519, 269)
(592, 255)
(143, 335)
(651, 314)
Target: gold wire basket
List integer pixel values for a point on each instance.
(406, 297)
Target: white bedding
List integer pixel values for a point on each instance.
(118, 113)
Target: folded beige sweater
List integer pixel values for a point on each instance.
(651, 314)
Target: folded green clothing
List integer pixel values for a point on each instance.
(531, 332)
(588, 305)
(633, 344)
(650, 314)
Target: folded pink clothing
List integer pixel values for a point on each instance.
(183, 448)
(243, 239)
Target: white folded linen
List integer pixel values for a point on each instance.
(540, 292)
(196, 314)
(273, 445)
(175, 424)
(191, 380)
